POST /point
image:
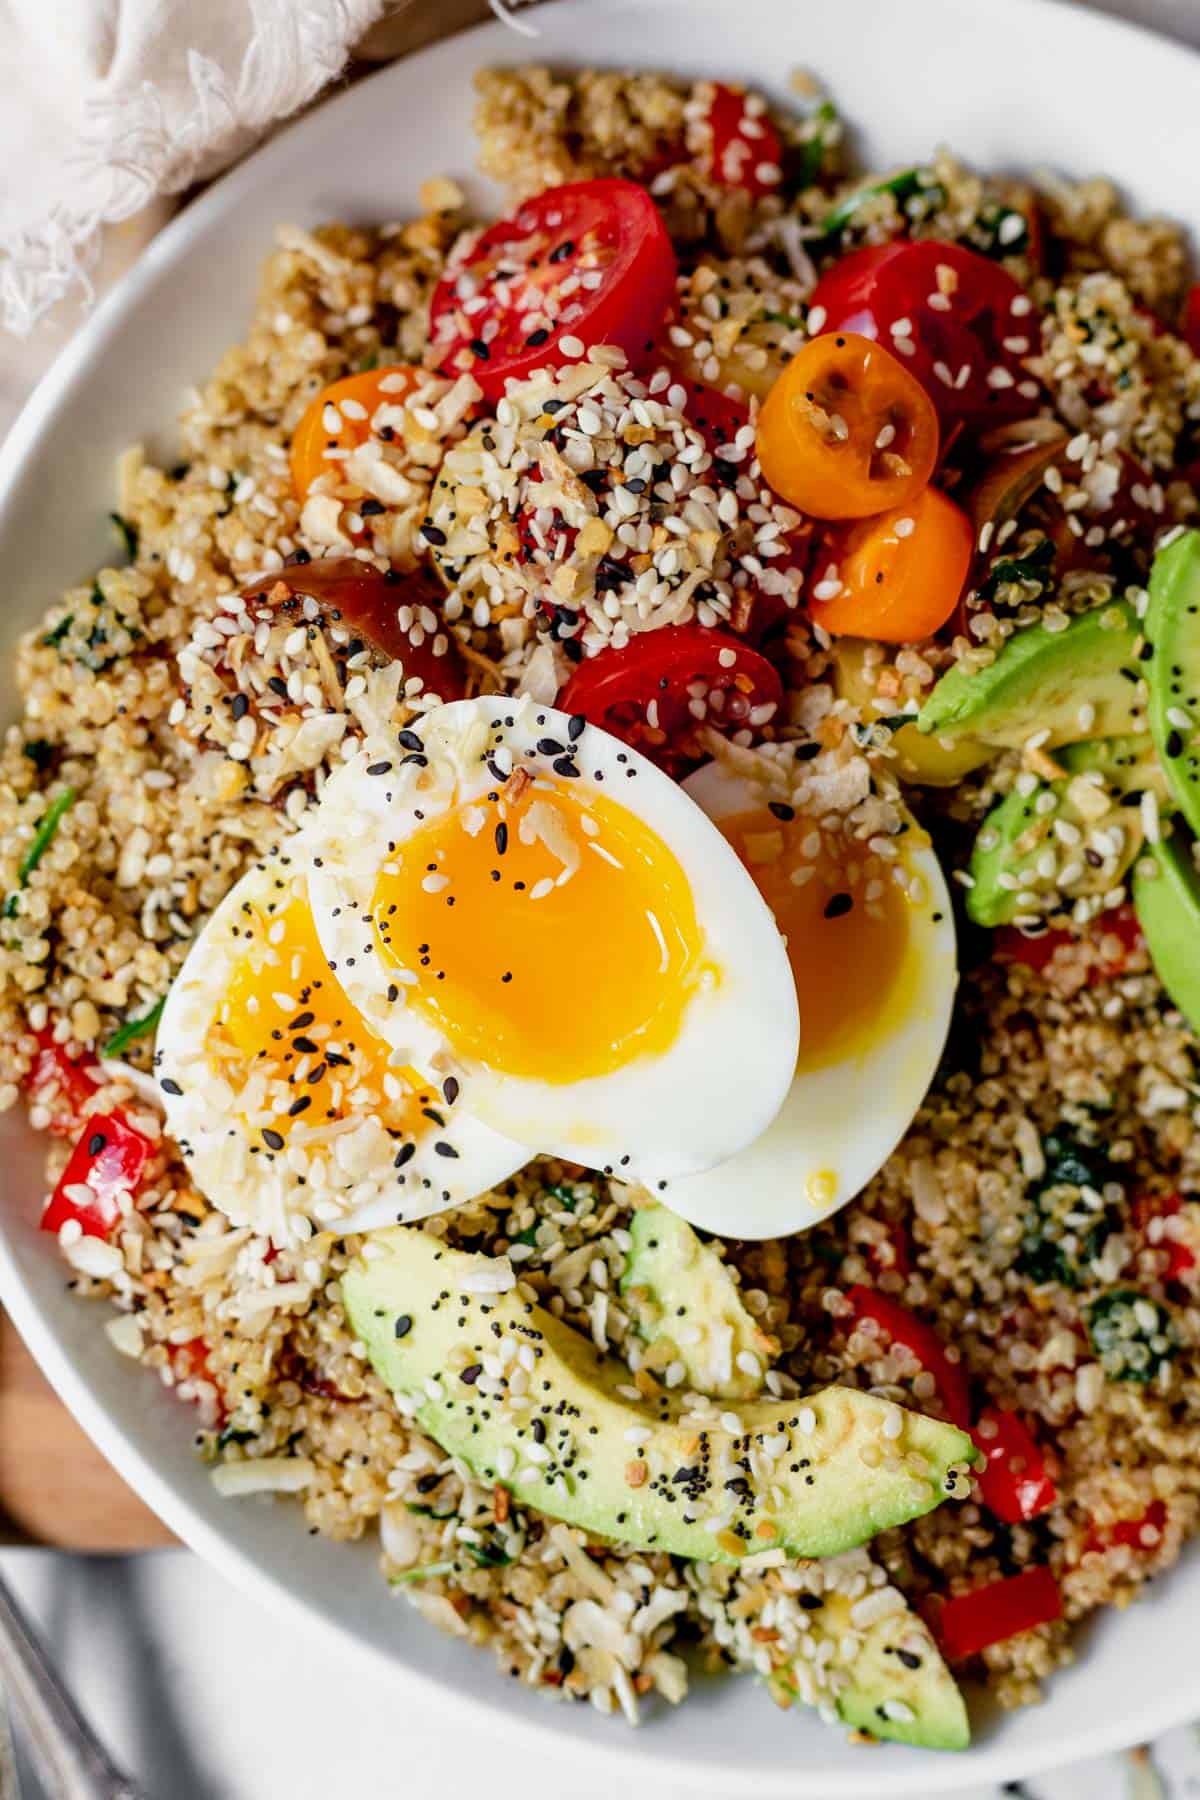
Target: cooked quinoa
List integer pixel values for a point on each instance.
(177, 732)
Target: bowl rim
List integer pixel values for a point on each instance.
(920, 1774)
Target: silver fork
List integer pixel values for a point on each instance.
(71, 1761)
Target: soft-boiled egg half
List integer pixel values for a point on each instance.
(519, 903)
(871, 944)
(292, 1113)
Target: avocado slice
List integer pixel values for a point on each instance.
(1167, 904)
(575, 1438)
(1096, 805)
(1172, 629)
(926, 761)
(686, 1303)
(894, 1682)
(1082, 682)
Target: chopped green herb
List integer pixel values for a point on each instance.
(902, 186)
(427, 1573)
(488, 1555)
(49, 823)
(97, 594)
(1132, 1336)
(1064, 1233)
(133, 1029)
(369, 362)
(992, 233)
(59, 632)
(41, 753)
(128, 533)
(528, 1236)
(564, 1196)
(231, 1435)
(812, 151)
(426, 1512)
(1036, 568)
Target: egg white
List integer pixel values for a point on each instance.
(840, 1122)
(331, 1175)
(720, 1082)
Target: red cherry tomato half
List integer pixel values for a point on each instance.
(656, 690)
(746, 150)
(959, 323)
(588, 263)
(371, 605)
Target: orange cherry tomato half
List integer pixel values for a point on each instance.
(339, 419)
(901, 574)
(846, 431)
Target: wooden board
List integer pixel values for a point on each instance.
(55, 1487)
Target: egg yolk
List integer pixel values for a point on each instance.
(554, 936)
(846, 926)
(285, 1013)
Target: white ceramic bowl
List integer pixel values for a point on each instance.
(1009, 83)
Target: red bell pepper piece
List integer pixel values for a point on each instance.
(905, 1328)
(968, 1623)
(1129, 1531)
(1181, 1258)
(108, 1160)
(893, 1254)
(1016, 1484)
(1191, 319)
(58, 1082)
(1011, 945)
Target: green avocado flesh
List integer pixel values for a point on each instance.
(573, 1437)
(1032, 857)
(1167, 903)
(896, 1684)
(1082, 682)
(686, 1303)
(1173, 631)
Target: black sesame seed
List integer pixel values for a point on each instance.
(781, 810)
(838, 905)
(239, 707)
(433, 534)
(450, 1089)
(576, 726)
(272, 1139)
(444, 1149)
(96, 1143)
(170, 1087)
(403, 1325)
(408, 740)
(404, 1155)
(379, 768)
(369, 508)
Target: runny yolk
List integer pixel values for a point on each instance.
(845, 923)
(286, 1014)
(554, 936)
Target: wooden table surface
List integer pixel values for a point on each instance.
(55, 1487)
